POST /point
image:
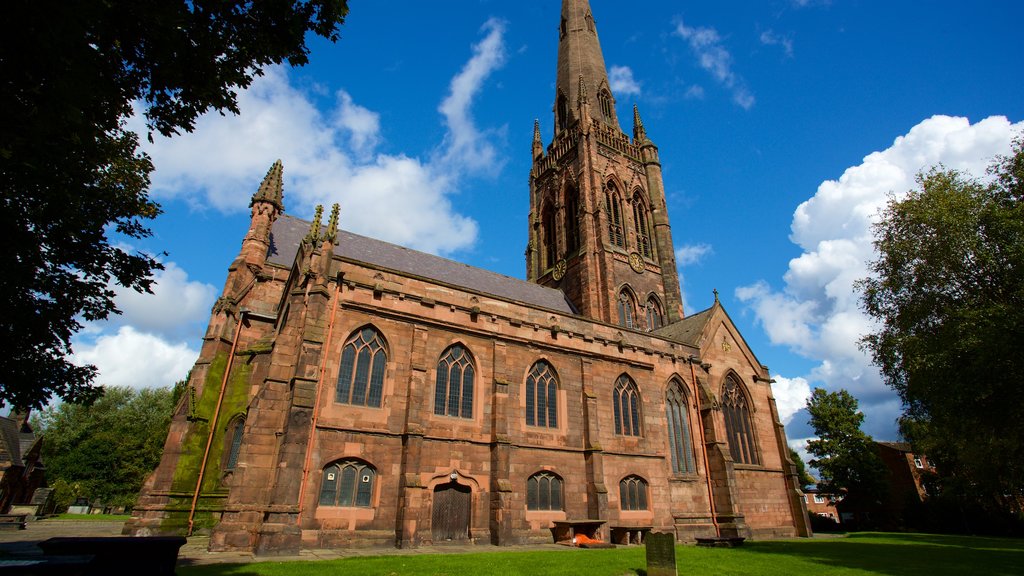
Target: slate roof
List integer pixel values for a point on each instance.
(287, 234)
(10, 444)
(900, 446)
(688, 330)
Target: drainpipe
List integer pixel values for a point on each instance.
(704, 447)
(213, 423)
(316, 404)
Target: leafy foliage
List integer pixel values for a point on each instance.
(105, 451)
(72, 175)
(844, 456)
(803, 476)
(947, 290)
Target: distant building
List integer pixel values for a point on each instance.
(351, 392)
(21, 466)
(907, 470)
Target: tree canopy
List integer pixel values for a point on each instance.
(803, 476)
(947, 291)
(105, 451)
(845, 457)
(75, 185)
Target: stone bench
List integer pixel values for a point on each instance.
(13, 521)
(629, 534)
(121, 555)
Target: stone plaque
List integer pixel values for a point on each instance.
(661, 554)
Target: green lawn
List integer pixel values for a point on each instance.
(858, 554)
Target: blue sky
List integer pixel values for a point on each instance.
(782, 127)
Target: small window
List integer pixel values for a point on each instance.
(542, 396)
(605, 99)
(819, 499)
(347, 483)
(563, 112)
(918, 462)
(234, 436)
(626, 399)
(544, 492)
(453, 391)
(627, 318)
(633, 493)
(654, 318)
(363, 362)
(615, 235)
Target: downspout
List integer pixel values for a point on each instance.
(316, 404)
(704, 448)
(213, 422)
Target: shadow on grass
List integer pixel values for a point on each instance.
(906, 554)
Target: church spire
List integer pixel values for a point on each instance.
(581, 70)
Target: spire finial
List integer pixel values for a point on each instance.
(716, 294)
(332, 226)
(639, 134)
(271, 190)
(536, 131)
(314, 226)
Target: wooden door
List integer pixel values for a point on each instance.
(450, 514)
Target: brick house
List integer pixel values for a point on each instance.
(21, 465)
(351, 392)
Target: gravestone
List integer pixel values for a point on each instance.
(661, 554)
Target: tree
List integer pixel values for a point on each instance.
(105, 451)
(844, 456)
(72, 175)
(803, 476)
(947, 291)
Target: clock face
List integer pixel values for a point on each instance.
(559, 272)
(636, 263)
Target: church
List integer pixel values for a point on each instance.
(352, 392)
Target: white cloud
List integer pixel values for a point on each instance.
(791, 396)
(817, 313)
(771, 38)
(174, 304)
(621, 80)
(136, 359)
(695, 92)
(331, 156)
(713, 57)
(691, 254)
(465, 146)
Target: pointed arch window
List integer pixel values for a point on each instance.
(364, 359)
(562, 111)
(453, 391)
(633, 493)
(550, 238)
(627, 309)
(677, 416)
(233, 438)
(572, 220)
(654, 317)
(347, 483)
(611, 198)
(735, 408)
(605, 100)
(542, 396)
(641, 222)
(544, 492)
(626, 399)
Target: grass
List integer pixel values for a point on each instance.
(856, 555)
(94, 517)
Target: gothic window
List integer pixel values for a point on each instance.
(611, 198)
(550, 239)
(363, 361)
(737, 422)
(633, 493)
(233, 438)
(654, 318)
(641, 221)
(347, 483)
(542, 396)
(563, 112)
(605, 99)
(572, 220)
(626, 399)
(590, 21)
(544, 492)
(453, 392)
(679, 430)
(627, 309)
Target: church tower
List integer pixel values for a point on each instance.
(598, 226)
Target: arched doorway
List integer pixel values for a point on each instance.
(450, 514)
